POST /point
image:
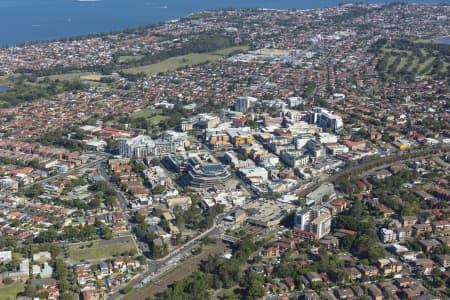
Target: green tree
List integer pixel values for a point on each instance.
(253, 286)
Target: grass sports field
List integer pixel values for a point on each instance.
(187, 60)
(90, 77)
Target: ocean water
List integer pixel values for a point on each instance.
(443, 40)
(30, 20)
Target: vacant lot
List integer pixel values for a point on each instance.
(10, 291)
(97, 250)
(177, 62)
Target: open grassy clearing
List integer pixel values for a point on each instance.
(91, 77)
(230, 50)
(413, 64)
(419, 61)
(145, 113)
(72, 76)
(129, 58)
(100, 249)
(445, 66)
(174, 63)
(11, 291)
(158, 119)
(4, 80)
(424, 41)
(390, 61)
(187, 60)
(424, 65)
(402, 63)
(152, 115)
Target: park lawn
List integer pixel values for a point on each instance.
(67, 76)
(4, 80)
(11, 291)
(182, 61)
(414, 64)
(129, 58)
(158, 119)
(425, 64)
(390, 61)
(145, 113)
(91, 77)
(424, 52)
(174, 63)
(99, 250)
(424, 41)
(230, 50)
(444, 66)
(402, 63)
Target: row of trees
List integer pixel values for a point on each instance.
(71, 233)
(60, 138)
(216, 273)
(365, 244)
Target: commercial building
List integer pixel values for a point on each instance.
(312, 223)
(295, 101)
(201, 121)
(142, 146)
(174, 162)
(325, 138)
(183, 202)
(267, 214)
(254, 175)
(242, 104)
(317, 196)
(240, 136)
(315, 149)
(205, 175)
(301, 141)
(387, 235)
(324, 119)
(294, 158)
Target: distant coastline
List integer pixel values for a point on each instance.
(21, 21)
(443, 40)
